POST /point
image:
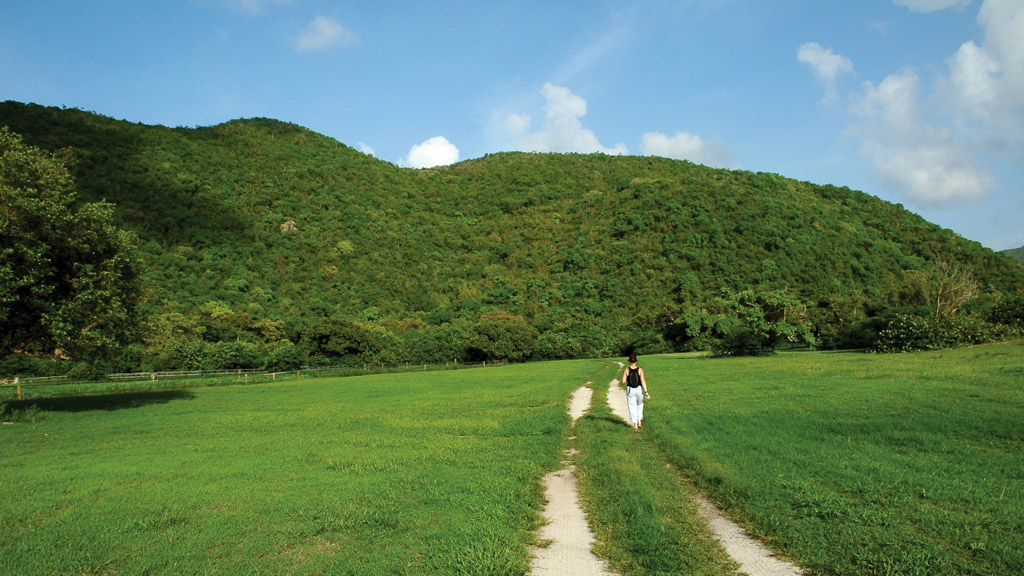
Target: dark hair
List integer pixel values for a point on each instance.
(632, 358)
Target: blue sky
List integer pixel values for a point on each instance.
(919, 102)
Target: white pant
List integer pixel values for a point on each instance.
(635, 403)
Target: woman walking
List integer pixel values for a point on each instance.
(636, 391)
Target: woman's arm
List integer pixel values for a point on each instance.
(643, 381)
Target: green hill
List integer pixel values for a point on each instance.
(1015, 253)
(256, 230)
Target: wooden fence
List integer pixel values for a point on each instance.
(41, 387)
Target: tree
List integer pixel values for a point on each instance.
(502, 336)
(838, 319)
(953, 286)
(342, 341)
(758, 319)
(69, 279)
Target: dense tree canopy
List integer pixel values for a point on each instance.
(69, 279)
(257, 231)
(1015, 253)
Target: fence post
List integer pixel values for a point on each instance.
(19, 391)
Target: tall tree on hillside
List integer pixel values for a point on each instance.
(69, 279)
(952, 287)
(758, 319)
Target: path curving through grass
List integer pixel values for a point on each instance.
(754, 559)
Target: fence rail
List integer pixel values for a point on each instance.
(163, 375)
(48, 386)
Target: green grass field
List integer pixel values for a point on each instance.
(853, 463)
(436, 473)
(847, 463)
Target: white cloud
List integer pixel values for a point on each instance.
(925, 141)
(437, 151)
(827, 66)
(1004, 31)
(972, 85)
(562, 130)
(321, 34)
(932, 171)
(931, 165)
(999, 65)
(517, 123)
(931, 5)
(686, 146)
(893, 103)
(366, 149)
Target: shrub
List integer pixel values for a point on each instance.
(743, 341)
(344, 342)
(1009, 311)
(501, 336)
(22, 365)
(181, 354)
(912, 332)
(435, 345)
(231, 356)
(284, 356)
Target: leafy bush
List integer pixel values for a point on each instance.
(22, 365)
(909, 332)
(89, 371)
(743, 341)
(284, 356)
(1009, 311)
(341, 341)
(647, 342)
(501, 336)
(232, 356)
(29, 413)
(182, 354)
(435, 345)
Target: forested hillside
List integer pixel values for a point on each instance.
(254, 232)
(1015, 253)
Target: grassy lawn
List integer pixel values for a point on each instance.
(432, 473)
(847, 463)
(853, 463)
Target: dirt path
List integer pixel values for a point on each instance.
(754, 559)
(569, 551)
(579, 403)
